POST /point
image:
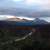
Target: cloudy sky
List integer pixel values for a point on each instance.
(36, 4)
(40, 4)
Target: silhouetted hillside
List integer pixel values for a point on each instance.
(39, 21)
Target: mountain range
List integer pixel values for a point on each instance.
(39, 21)
(36, 21)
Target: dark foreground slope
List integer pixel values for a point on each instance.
(39, 39)
(7, 24)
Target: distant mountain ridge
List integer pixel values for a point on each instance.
(39, 21)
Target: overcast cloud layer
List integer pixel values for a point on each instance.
(37, 4)
(26, 8)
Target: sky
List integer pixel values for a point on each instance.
(42, 5)
(37, 4)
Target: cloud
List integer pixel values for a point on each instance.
(16, 0)
(37, 4)
(24, 17)
(42, 4)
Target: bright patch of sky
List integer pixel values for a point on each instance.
(37, 4)
(42, 4)
(16, 0)
(4, 17)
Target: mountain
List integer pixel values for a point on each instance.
(17, 20)
(39, 21)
